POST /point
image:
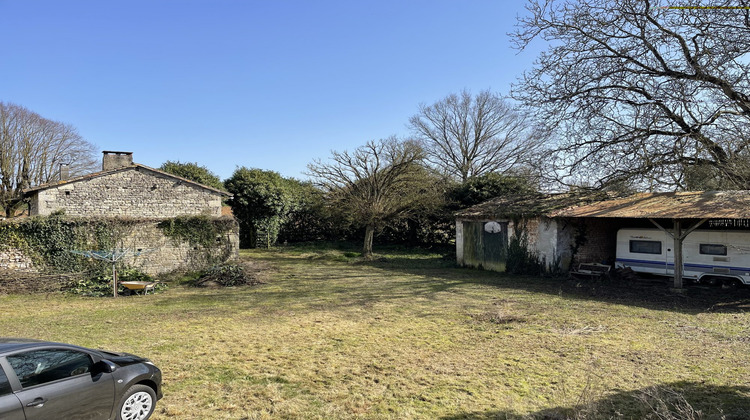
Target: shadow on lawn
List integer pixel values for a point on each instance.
(655, 294)
(430, 273)
(679, 400)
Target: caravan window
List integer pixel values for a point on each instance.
(713, 249)
(645, 247)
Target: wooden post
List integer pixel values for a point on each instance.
(678, 235)
(114, 279)
(677, 254)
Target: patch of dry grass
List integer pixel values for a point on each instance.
(409, 336)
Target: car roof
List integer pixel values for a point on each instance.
(8, 344)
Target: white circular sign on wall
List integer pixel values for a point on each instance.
(492, 227)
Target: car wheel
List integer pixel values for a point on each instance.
(137, 404)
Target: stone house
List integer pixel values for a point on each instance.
(124, 189)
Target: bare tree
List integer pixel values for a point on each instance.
(641, 91)
(466, 136)
(374, 182)
(31, 151)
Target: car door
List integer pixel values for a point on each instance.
(60, 383)
(10, 405)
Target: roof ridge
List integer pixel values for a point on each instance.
(111, 171)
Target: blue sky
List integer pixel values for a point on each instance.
(265, 84)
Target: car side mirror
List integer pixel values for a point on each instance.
(105, 366)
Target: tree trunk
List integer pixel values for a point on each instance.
(369, 234)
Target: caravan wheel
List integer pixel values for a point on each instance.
(711, 281)
(731, 284)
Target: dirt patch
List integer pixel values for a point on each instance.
(497, 316)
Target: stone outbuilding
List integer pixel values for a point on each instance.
(146, 197)
(483, 231)
(564, 229)
(125, 189)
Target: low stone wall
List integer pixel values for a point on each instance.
(160, 254)
(16, 260)
(18, 282)
(151, 251)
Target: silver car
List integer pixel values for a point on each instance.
(41, 380)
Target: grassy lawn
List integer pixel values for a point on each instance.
(410, 336)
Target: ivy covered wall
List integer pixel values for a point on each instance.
(44, 244)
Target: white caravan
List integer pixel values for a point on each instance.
(708, 256)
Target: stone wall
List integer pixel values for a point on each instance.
(131, 192)
(161, 254)
(155, 252)
(16, 260)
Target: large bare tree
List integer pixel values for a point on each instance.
(31, 151)
(375, 182)
(642, 91)
(466, 136)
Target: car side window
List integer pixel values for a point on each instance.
(42, 366)
(4, 384)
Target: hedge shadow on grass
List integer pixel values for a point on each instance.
(656, 294)
(678, 400)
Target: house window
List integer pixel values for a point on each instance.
(645, 247)
(713, 249)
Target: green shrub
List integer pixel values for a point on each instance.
(95, 286)
(100, 284)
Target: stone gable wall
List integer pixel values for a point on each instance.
(134, 192)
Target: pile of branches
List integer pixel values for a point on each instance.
(19, 282)
(233, 273)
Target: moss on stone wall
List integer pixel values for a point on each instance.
(211, 238)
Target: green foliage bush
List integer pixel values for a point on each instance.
(193, 172)
(268, 205)
(96, 286)
(485, 187)
(311, 218)
(100, 285)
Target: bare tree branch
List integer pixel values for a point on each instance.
(466, 136)
(31, 151)
(637, 92)
(375, 181)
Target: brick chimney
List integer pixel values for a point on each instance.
(115, 160)
(64, 171)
